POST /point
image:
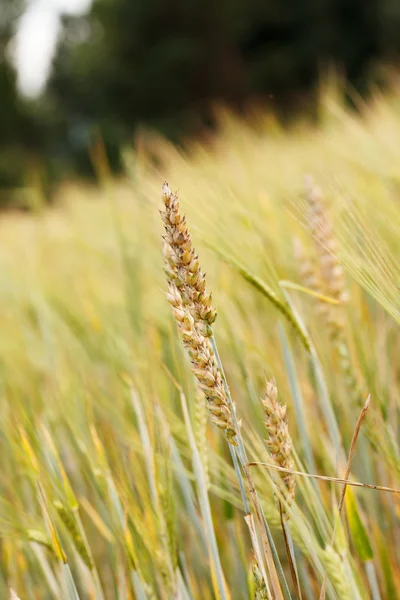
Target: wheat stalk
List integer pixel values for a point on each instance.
(194, 315)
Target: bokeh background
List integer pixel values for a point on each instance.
(74, 70)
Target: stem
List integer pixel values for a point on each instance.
(290, 552)
(204, 503)
(271, 555)
(240, 480)
(372, 580)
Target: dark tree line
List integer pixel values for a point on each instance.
(163, 63)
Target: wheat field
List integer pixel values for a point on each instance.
(115, 482)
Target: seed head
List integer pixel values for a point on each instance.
(182, 262)
(260, 589)
(193, 311)
(279, 442)
(321, 228)
(336, 572)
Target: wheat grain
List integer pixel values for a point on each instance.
(200, 432)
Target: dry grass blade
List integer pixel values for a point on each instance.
(369, 486)
(357, 428)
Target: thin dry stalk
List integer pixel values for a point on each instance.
(360, 484)
(357, 428)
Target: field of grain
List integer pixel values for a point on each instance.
(115, 482)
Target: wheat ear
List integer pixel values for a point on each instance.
(279, 442)
(194, 315)
(193, 311)
(322, 231)
(260, 589)
(332, 281)
(336, 572)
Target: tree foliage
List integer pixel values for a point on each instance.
(164, 63)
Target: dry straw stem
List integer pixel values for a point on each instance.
(193, 311)
(369, 486)
(279, 442)
(357, 428)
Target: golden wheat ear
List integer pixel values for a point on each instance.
(193, 311)
(279, 442)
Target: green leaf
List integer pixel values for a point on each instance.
(358, 531)
(265, 290)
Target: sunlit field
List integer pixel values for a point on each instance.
(115, 482)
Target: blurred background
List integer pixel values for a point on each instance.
(72, 71)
